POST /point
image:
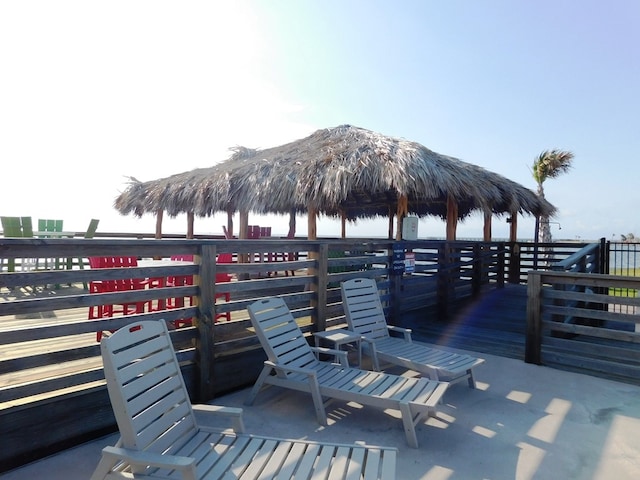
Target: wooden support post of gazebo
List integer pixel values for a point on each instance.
(229, 232)
(159, 214)
(514, 257)
(401, 212)
(312, 228)
(243, 233)
(292, 224)
(452, 218)
(190, 222)
(486, 231)
(513, 230)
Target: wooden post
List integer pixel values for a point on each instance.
(444, 279)
(244, 224)
(312, 232)
(205, 353)
(478, 270)
(502, 253)
(513, 231)
(230, 223)
(536, 241)
(190, 221)
(343, 225)
(292, 224)
(533, 346)
(514, 263)
(243, 233)
(486, 231)
(452, 218)
(402, 210)
(159, 214)
(396, 293)
(390, 231)
(319, 300)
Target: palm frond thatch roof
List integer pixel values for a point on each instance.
(342, 171)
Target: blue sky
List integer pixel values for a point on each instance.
(93, 92)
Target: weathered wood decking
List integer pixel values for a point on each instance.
(494, 323)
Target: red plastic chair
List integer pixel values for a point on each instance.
(223, 278)
(284, 257)
(179, 281)
(119, 285)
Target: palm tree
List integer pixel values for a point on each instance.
(549, 164)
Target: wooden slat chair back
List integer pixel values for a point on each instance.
(50, 225)
(161, 439)
(365, 316)
(92, 228)
(18, 227)
(296, 366)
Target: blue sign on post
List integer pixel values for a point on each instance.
(397, 259)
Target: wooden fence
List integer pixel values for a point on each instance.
(585, 322)
(52, 392)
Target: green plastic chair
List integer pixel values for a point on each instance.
(48, 225)
(17, 227)
(93, 227)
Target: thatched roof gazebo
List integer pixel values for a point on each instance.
(345, 172)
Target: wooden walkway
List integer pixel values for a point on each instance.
(495, 323)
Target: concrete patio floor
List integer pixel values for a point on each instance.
(523, 422)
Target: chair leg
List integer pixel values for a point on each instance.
(226, 315)
(471, 380)
(105, 466)
(409, 425)
(266, 371)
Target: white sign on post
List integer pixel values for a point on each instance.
(410, 228)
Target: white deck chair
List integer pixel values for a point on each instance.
(160, 438)
(365, 316)
(294, 365)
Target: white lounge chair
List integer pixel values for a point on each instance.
(294, 365)
(160, 438)
(365, 316)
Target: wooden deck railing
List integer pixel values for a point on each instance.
(585, 321)
(50, 365)
(526, 256)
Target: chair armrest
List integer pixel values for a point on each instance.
(311, 374)
(405, 331)
(342, 355)
(290, 369)
(233, 413)
(186, 465)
